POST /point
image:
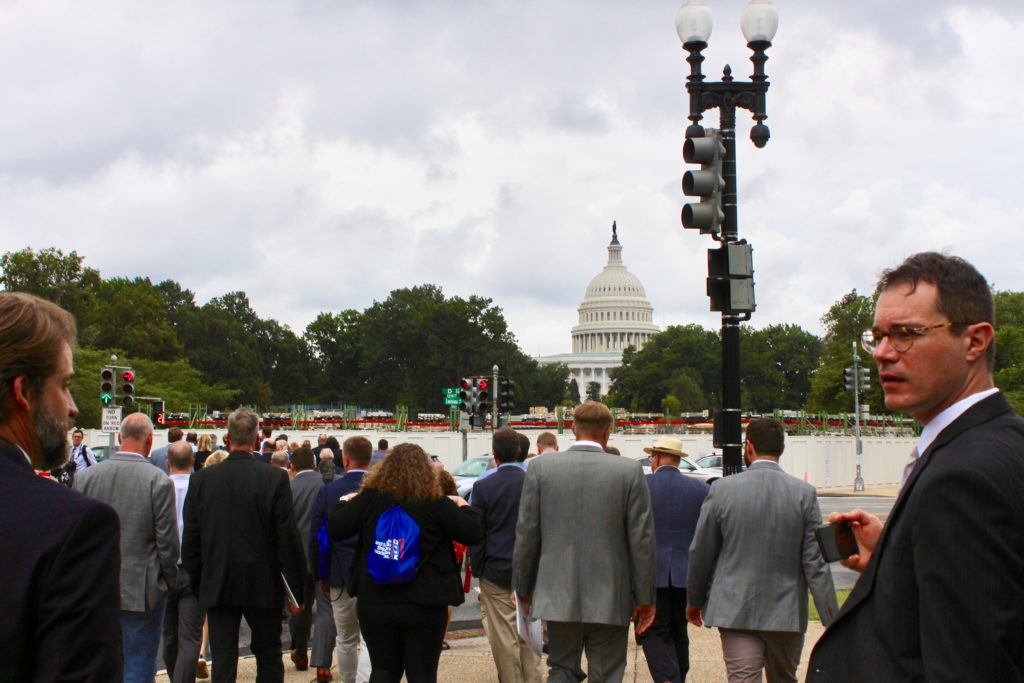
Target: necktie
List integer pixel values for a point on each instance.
(909, 467)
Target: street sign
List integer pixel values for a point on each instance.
(111, 420)
(451, 396)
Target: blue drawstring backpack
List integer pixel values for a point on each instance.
(323, 540)
(395, 554)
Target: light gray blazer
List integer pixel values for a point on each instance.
(143, 497)
(305, 486)
(585, 547)
(754, 553)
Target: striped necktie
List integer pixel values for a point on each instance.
(909, 467)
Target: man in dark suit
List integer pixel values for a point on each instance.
(496, 498)
(333, 566)
(585, 559)
(159, 455)
(943, 582)
(59, 596)
(240, 539)
(305, 485)
(676, 501)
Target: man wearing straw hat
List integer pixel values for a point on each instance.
(676, 501)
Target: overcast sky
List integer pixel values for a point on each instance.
(319, 154)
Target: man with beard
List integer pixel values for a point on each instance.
(59, 577)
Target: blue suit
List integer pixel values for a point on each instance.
(676, 500)
(342, 554)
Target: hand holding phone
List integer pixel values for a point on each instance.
(836, 541)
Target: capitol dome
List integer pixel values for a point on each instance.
(615, 312)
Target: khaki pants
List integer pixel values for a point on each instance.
(747, 652)
(514, 659)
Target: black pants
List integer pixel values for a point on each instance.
(666, 644)
(403, 638)
(265, 624)
(183, 631)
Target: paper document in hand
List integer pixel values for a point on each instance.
(288, 592)
(529, 629)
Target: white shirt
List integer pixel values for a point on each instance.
(180, 491)
(946, 418)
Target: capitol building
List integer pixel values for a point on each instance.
(614, 314)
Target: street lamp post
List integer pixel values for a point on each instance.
(730, 281)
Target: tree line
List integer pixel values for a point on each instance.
(406, 349)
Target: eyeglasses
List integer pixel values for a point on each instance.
(902, 337)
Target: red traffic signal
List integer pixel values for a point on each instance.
(482, 383)
(128, 376)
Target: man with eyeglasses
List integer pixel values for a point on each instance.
(942, 582)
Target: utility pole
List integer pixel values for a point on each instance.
(494, 397)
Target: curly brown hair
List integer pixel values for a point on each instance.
(448, 485)
(406, 474)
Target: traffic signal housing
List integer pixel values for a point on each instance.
(731, 278)
(467, 394)
(506, 395)
(848, 376)
(158, 413)
(483, 396)
(707, 183)
(865, 378)
(108, 390)
(127, 389)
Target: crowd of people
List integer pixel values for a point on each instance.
(364, 549)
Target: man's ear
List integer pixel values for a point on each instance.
(979, 337)
(21, 388)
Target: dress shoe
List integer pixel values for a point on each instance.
(301, 662)
(323, 674)
(202, 670)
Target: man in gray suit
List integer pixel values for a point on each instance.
(306, 484)
(143, 498)
(584, 558)
(753, 556)
(159, 456)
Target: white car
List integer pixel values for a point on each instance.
(465, 474)
(689, 468)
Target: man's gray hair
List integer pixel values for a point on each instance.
(243, 424)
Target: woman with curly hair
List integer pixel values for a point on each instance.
(404, 623)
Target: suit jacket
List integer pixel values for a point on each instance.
(240, 535)
(496, 498)
(342, 552)
(585, 538)
(158, 457)
(941, 598)
(58, 580)
(676, 500)
(754, 553)
(143, 497)
(305, 486)
(437, 579)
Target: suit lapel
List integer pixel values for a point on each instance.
(983, 411)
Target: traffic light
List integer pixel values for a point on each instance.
(127, 391)
(107, 389)
(865, 378)
(158, 413)
(707, 183)
(467, 394)
(731, 278)
(483, 396)
(849, 378)
(506, 395)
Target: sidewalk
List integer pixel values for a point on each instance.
(469, 660)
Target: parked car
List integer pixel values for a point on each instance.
(465, 474)
(710, 461)
(689, 468)
(101, 453)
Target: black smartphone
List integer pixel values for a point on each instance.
(836, 541)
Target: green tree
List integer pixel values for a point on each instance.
(52, 275)
(335, 342)
(593, 391)
(777, 364)
(572, 392)
(681, 360)
(130, 315)
(844, 322)
(1009, 365)
(671, 406)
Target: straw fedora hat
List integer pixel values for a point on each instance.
(667, 445)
